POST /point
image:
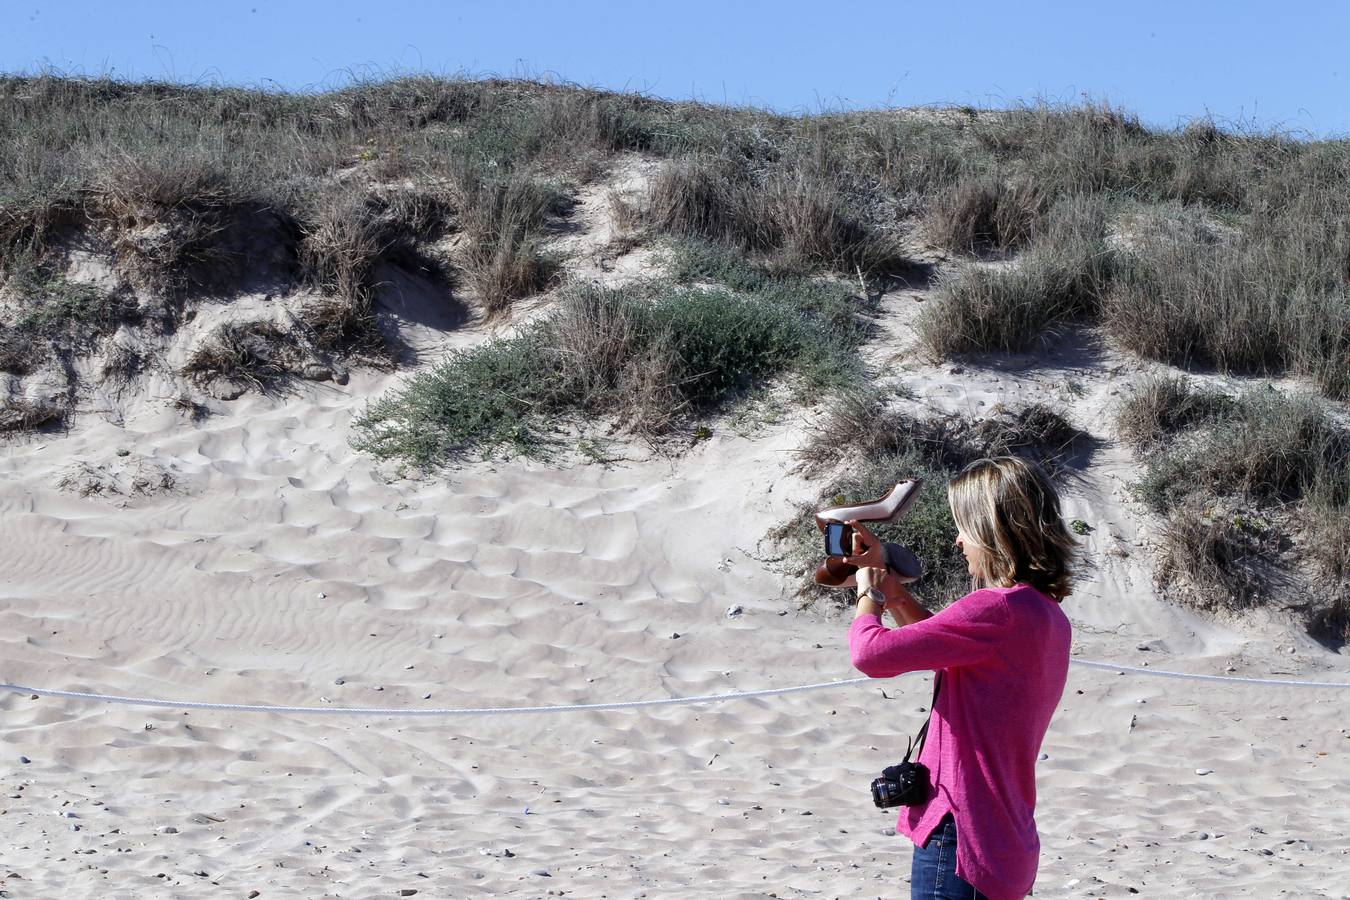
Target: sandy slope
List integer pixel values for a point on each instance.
(286, 569)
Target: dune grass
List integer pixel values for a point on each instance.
(1273, 298)
(798, 221)
(986, 214)
(177, 178)
(1160, 406)
(1255, 489)
(1059, 280)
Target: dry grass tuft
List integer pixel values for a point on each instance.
(195, 411)
(255, 353)
(1213, 563)
(19, 353)
(796, 219)
(1271, 299)
(1061, 279)
(1159, 406)
(346, 235)
(167, 214)
(860, 423)
(135, 477)
(625, 211)
(502, 219)
(987, 214)
(338, 252)
(1256, 490)
(19, 414)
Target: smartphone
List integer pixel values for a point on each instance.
(838, 539)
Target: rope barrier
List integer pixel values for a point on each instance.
(1163, 673)
(404, 711)
(624, 704)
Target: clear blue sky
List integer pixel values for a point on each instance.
(1284, 64)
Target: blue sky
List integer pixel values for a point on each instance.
(1267, 64)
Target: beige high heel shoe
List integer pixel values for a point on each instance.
(835, 572)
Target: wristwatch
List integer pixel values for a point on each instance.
(874, 594)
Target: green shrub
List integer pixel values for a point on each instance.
(652, 357)
(688, 260)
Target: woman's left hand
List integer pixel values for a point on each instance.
(869, 577)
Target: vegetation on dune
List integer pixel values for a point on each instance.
(176, 179)
(1060, 280)
(1274, 297)
(53, 315)
(1255, 491)
(652, 357)
(798, 220)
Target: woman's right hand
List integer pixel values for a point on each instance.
(866, 548)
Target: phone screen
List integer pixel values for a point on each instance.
(838, 539)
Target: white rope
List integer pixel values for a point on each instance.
(1163, 673)
(624, 704)
(404, 711)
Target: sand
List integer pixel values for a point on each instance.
(282, 567)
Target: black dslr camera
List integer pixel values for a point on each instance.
(903, 784)
(907, 783)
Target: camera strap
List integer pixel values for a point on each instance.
(916, 745)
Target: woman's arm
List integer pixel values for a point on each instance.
(965, 633)
(899, 601)
(902, 606)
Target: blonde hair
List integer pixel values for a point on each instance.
(1009, 509)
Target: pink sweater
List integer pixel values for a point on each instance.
(1004, 653)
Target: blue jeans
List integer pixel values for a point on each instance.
(932, 876)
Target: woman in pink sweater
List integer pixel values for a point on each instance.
(1002, 652)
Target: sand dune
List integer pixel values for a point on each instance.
(284, 568)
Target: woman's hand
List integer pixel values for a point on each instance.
(869, 577)
(866, 548)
